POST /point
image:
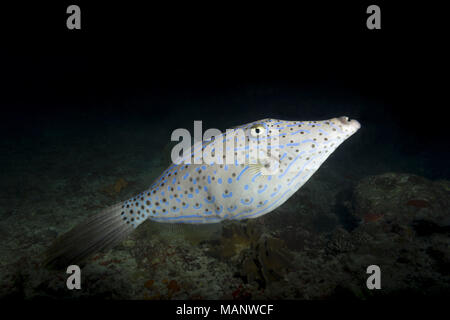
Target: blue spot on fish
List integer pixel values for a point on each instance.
(249, 201)
(198, 206)
(240, 174)
(256, 176)
(262, 189)
(262, 204)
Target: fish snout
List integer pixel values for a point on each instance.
(349, 125)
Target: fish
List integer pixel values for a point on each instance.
(276, 158)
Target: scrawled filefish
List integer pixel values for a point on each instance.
(277, 158)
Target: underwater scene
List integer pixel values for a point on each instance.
(357, 206)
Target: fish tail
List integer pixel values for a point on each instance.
(97, 233)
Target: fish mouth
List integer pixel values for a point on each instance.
(353, 124)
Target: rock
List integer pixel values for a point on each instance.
(400, 198)
(235, 238)
(273, 257)
(259, 257)
(340, 241)
(403, 228)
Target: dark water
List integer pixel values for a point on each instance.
(86, 123)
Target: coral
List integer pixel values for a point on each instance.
(259, 257)
(400, 198)
(236, 237)
(372, 217)
(340, 242)
(173, 287)
(241, 293)
(114, 189)
(108, 262)
(149, 283)
(418, 203)
(273, 257)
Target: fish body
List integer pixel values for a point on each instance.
(211, 193)
(276, 158)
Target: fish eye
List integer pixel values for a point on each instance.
(256, 130)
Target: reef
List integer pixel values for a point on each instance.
(401, 199)
(260, 257)
(318, 245)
